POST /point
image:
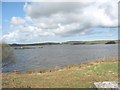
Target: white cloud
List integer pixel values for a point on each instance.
(94, 12)
(63, 19)
(17, 21)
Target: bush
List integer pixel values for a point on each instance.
(111, 42)
(7, 54)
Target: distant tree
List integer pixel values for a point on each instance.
(111, 42)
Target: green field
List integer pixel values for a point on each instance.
(77, 76)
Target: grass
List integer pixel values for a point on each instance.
(79, 76)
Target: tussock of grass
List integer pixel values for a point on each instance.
(79, 76)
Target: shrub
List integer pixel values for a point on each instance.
(111, 42)
(7, 55)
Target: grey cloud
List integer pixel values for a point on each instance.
(43, 9)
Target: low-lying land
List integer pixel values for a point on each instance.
(77, 76)
(70, 43)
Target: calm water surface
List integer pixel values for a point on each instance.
(51, 56)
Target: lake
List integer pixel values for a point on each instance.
(51, 56)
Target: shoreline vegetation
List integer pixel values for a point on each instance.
(70, 43)
(7, 55)
(73, 76)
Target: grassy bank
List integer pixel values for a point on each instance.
(79, 76)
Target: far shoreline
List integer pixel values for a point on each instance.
(70, 43)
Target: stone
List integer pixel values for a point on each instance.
(107, 85)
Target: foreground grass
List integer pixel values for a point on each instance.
(79, 76)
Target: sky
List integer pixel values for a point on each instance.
(34, 22)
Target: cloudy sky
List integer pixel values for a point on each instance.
(33, 22)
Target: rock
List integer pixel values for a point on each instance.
(112, 85)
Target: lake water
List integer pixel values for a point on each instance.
(51, 56)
